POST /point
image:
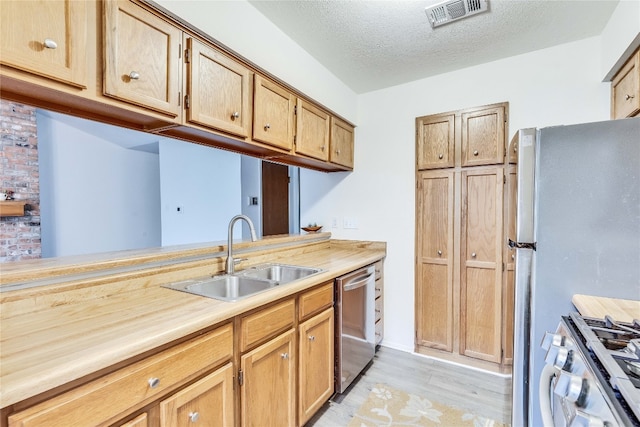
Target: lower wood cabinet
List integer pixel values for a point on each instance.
(316, 360)
(268, 386)
(207, 402)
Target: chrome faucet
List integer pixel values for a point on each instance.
(230, 264)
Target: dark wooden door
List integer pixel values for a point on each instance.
(275, 199)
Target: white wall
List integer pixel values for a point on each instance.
(95, 196)
(251, 187)
(206, 185)
(560, 85)
(622, 33)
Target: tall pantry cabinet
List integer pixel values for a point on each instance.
(462, 300)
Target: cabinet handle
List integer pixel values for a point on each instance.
(235, 115)
(134, 75)
(475, 152)
(473, 255)
(267, 127)
(440, 156)
(285, 356)
(154, 382)
(439, 252)
(322, 148)
(193, 416)
(513, 256)
(50, 44)
(377, 310)
(628, 97)
(312, 338)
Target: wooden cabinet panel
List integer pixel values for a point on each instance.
(218, 89)
(435, 138)
(142, 58)
(46, 38)
(108, 398)
(315, 300)
(625, 89)
(312, 131)
(508, 288)
(342, 140)
(272, 114)
(316, 382)
(267, 395)
(434, 269)
(266, 323)
(207, 402)
(483, 136)
(379, 302)
(481, 258)
(141, 420)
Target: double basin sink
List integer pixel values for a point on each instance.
(234, 287)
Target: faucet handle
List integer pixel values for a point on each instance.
(239, 260)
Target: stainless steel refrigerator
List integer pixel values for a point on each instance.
(577, 232)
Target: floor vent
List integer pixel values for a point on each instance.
(453, 10)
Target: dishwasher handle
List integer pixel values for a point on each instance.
(357, 282)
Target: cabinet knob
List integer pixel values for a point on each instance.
(193, 416)
(440, 156)
(439, 252)
(285, 356)
(154, 382)
(475, 152)
(134, 75)
(50, 44)
(235, 115)
(473, 255)
(267, 127)
(312, 338)
(513, 256)
(628, 97)
(338, 152)
(322, 148)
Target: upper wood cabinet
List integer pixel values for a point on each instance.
(483, 136)
(435, 140)
(273, 114)
(625, 89)
(470, 137)
(342, 140)
(142, 58)
(218, 90)
(312, 130)
(46, 38)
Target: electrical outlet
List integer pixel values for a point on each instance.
(334, 222)
(350, 222)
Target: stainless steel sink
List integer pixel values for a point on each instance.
(280, 273)
(233, 287)
(225, 288)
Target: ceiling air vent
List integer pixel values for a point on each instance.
(453, 10)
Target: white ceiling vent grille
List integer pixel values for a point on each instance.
(452, 10)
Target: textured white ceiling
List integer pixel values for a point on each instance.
(371, 45)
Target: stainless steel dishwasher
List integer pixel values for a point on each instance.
(355, 324)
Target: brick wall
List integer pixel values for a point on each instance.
(19, 236)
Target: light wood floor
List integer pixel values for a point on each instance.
(480, 392)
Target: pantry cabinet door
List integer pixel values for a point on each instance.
(46, 38)
(483, 136)
(435, 141)
(434, 269)
(481, 263)
(142, 58)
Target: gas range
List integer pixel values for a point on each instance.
(594, 372)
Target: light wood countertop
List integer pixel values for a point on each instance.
(622, 310)
(53, 335)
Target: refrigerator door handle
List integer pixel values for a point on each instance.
(522, 245)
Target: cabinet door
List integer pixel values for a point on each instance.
(625, 89)
(267, 394)
(141, 420)
(341, 143)
(481, 264)
(434, 247)
(208, 402)
(312, 131)
(272, 114)
(142, 58)
(435, 141)
(508, 302)
(483, 136)
(315, 385)
(218, 90)
(47, 38)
